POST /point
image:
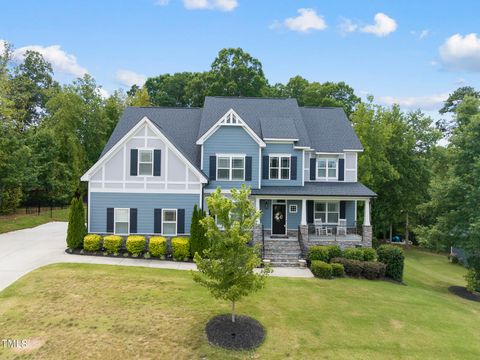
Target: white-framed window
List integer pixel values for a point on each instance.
(279, 167)
(293, 208)
(327, 211)
(122, 221)
(145, 162)
(231, 167)
(327, 168)
(169, 221)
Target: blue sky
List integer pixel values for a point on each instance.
(411, 52)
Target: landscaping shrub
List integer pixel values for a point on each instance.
(321, 269)
(157, 246)
(112, 243)
(76, 224)
(373, 270)
(353, 268)
(369, 254)
(393, 257)
(318, 253)
(198, 239)
(180, 248)
(353, 254)
(334, 251)
(92, 242)
(338, 270)
(473, 281)
(136, 244)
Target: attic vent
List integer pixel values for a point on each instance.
(231, 119)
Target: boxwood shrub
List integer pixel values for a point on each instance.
(92, 242)
(157, 246)
(393, 257)
(136, 244)
(321, 269)
(353, 268)
(373, 270)
(318, 253)
(338, 270)
(112, 243)
(369, 254)
(353, 254)
(180, 248)
(334, 251)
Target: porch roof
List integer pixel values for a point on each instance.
(347, 189)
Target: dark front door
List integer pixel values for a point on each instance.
(279, 219)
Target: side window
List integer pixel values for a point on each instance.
(169, 222)
(145, 162)
(122, 221)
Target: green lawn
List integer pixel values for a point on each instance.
(112, 312)
(24, 221)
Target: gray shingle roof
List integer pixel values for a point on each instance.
(278, 128)
(346, 189)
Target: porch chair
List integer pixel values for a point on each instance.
(342, 227)
(320, 229)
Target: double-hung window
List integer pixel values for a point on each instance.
(279, 167)
(169, 221)
(231, 168)
(326, 169)
(328, 212)
(122, 217)
(145, 162)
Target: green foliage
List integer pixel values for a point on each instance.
(373, 270)
(157, 246)
(76, 224)
(112, 244)
(140, 98)
(321, 269)
(198, 240)
(318, 253)
(393, 257)
(473, 280)
(136, 244)
(180, 248)
(334, 251)
(353, 254)
(353, 268)
(369, 254)
(337, 270)
(227, 268)
(92, 242)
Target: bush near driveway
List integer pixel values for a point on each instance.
(180, 248)
(353, 268)
(324, 252)
(112, 244)
(76, 224)
(92, 242)
(394, 258)
(157, 246)
(338, 270)
(321, 269)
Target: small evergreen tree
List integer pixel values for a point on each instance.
(76, 223)
(198, 240)
(227, 267)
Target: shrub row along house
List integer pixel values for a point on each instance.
(300, 162)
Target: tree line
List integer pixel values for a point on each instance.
(52, 133)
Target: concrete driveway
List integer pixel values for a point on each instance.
(25, 250)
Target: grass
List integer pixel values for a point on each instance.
(25, 221)
(112, 312)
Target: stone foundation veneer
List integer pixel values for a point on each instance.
(257, 234)
(367, 236)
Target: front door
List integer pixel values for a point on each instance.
(279, 219)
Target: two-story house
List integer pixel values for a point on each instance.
(300, 162)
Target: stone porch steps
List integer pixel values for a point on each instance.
(282, 252)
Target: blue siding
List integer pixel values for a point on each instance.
(350, 213)
(233, 140)
(284, 149)
(145, 203)
(293, 219)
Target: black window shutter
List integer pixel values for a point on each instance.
(265, 167)
(157, 221)
(313, 170)
(110, 215)
(342, 209)
(310, 211)
(341, 170)
(157, 162)
(293, 168)
(133, 162)
(181, 221)
(248, 168)
(213, 168)
(133, 221)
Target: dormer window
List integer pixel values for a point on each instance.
(327, 169)
(145, 162)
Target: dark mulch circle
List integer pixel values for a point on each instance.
(244, 334)
(464, 293)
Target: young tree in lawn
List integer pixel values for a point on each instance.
(76, 223)
(227, 268)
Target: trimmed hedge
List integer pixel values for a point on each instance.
(321, 269)
(92, 242)
(353, 268)
(338, 270)
(353, 254)
(334, 251)
(136, 244)
(373, 270)
(112, 243)
(394, 258)
(180, 248)
(369, 254)
(157, 246)
(320, 253)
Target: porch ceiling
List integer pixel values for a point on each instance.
(344, 189)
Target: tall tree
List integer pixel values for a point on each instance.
(169, 90)
(140, 98)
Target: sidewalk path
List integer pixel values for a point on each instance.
(25, 250)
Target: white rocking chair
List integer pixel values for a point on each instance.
(342, 227)
(320, 229)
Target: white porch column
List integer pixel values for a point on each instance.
(257, 207)
(366, 215)
(303, 220)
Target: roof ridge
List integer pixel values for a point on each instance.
(250, 97)
(320, 107)
(166, 107)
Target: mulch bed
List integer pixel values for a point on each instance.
(244, 334)
(464, 293)
(121, 255)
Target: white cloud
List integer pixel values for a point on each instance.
(102, 92)
(307, 20)
(3, 44)
(162, 2)
(223, 5)
(383, 26)
(429, 102)
(347, 26)
(461, 52)
(129, 78)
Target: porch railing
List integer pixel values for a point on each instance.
(333, 233)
